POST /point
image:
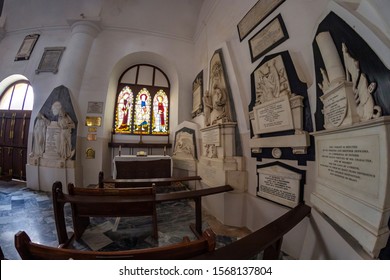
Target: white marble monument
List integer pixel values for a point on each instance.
(277, 109)
(53, 150)
(185, 155)
(352, 182)
(219, 163)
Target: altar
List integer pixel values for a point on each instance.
(142, 167)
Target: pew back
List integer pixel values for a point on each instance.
(29, 250)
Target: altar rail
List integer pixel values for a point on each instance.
(133, 183)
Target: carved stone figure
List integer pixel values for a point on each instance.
(66, 124)
(39, 135)
(184, 145)
(271, 81)
(208, 106)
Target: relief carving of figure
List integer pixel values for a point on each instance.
(39, 135)
(362, 89)
(207, 107)
(65, 122)
(184, 145)
(271, 81)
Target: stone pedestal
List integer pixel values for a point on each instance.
(218, 164)
(42, 173)
(353, 180)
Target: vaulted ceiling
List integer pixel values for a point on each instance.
(176, 18)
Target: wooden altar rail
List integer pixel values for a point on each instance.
(268, 239)
(182, 250)
(129, 183)
(120, 202)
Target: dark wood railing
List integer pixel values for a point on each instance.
(268, 239)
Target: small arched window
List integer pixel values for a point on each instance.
(18, 96)
(142, 103)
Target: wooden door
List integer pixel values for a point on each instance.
(14, 127)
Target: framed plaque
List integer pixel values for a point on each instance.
(50, 60)
(280, 183)
(27, 47)
(95, 107)
(256, 15)
(272, 35)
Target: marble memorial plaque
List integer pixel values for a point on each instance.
(279, 185)
(52, 140)
(211, 137)
(274, 115)
(351, 162)
(335, 107)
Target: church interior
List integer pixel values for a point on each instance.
(213, 119)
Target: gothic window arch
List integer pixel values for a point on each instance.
(17, 96)
(142, 101)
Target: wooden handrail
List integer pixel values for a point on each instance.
(268, 238)
(144, 181)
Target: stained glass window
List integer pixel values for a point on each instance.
(142, 112)
(124, 111)
(160, 113)
(142, 102)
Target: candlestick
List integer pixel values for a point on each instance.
(120, 150)
(165, 150)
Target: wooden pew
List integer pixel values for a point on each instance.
(96, 202)
(186, 249)
(145, 182)
(118, 203)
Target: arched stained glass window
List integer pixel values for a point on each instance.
(124, 109)
(142, 112)
(160, 113)
(142, 102)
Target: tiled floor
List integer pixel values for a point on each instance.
(31, 211)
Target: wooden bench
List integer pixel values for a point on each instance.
(186, 249)
(144, 182)
(117, 205)
(96, 202)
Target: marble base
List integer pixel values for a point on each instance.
(42, 178)
(218, 172)
(184, 167)
(353, 180)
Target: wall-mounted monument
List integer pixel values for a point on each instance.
(197, 95)
(280, 183)
(352, 150)
(221, 161)
(279, 111)
(52, 156)
(185, 151)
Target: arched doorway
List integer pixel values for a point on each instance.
(16, 102)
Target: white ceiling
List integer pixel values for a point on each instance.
(169, 17)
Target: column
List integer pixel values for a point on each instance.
(77, 53)
(331, 58)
